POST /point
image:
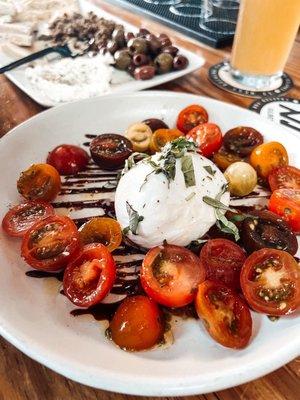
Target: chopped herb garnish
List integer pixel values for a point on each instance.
(190, 196)
(209, 169)
(132, 160)
(134, 220)
(187, 169)
(167, 162)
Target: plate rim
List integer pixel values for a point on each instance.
(190, 387)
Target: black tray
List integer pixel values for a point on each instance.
(189, 26)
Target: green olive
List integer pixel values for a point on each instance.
(241, 177)
(164, 63)
(139, 134)
(122, 59)
(138, 45)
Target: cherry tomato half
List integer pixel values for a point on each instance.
(190, 117)
(161, 137)
(22, 217)
(268, 156)
(267, 229)
(208, 138)
(223, 159)
(89, 278)
(39, 182)
(285, 177)
(225, 315)
(110, 150)
(270, 280)
(137, 324)
(223, 260)
(101, 230)
(242, 140)
(68, 159)
(286, 204)
(51, 243)
(171, 274)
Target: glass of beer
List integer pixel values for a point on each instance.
(266, 30)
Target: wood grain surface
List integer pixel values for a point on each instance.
(24, 379)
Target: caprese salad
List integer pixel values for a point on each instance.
(184, 240)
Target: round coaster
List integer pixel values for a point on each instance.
(281, 110)
(220, 76)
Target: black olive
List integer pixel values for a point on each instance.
(242, 140)
(155, 123)
(143, 32)
(267, 229)
(118, 35)
(145, 72)
(122, 59)
(140, 59)
(153, 43)
(171, 50)
(131, 68)
(128, 36)
(180, 62)
(164, 40)
(164, 63)
(138, 45)
(112, 46)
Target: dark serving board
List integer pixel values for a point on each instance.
(189, 26)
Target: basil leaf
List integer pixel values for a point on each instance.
(226, 226)
(187, 169)
(190, 196)
(216, 204)
(132, 160)
(134, 220)
(209, 169)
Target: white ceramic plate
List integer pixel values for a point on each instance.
(18, 77)
(35, 317)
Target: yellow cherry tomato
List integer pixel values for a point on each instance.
(241, 177)
(268, 156)
(140, 135)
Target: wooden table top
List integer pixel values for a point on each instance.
(22, 378)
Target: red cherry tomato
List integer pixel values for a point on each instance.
(89, 278)
(225, 315)
(51, 243)
(190, 117)
(22, 217)
(208, 138)
(171, 274)
(285, 177)
(223, 260)
(286, 204)
(270, 280)
(137, 324)
(68, 159)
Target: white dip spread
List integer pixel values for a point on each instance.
(70, 79)
(171, 211)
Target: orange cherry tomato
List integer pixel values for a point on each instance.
(163, 136)
(268, 156)
(223, 159)
(208, 138)
(39, 182)
(225, 315)
(101, 230)
(270, 281)
(286, 204)
(190, 117)
(137, 324)
(89, 277)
